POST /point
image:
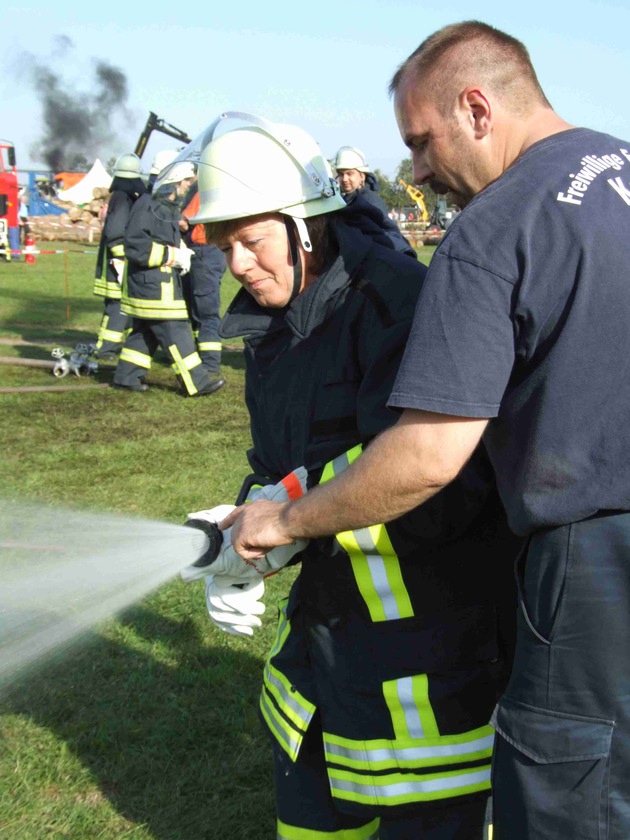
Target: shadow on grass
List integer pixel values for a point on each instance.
(173, 740)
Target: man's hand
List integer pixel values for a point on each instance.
(257, 527)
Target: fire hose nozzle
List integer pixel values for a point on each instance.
(213, 547)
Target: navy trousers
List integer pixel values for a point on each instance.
(562, 757)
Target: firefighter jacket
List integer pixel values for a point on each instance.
(151, 288)
(112, 246)
(391, 633)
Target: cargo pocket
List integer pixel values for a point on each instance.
(550, 774)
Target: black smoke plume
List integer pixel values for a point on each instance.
(77, 126)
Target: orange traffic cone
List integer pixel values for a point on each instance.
(29, 248)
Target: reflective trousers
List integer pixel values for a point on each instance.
(306, 810)
(562, 756)
(206, 270)
(113, 330)
(176, 338)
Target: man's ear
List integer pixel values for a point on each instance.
(476, 110)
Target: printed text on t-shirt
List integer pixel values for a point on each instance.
(592, 166)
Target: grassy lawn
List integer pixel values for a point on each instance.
(149, 729)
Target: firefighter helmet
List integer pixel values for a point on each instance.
(349, 157)
(178, 172)
(128, 166)
(263, 167)
(162, 159)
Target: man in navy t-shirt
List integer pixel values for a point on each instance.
(522, 337)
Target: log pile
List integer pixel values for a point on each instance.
(82, 223)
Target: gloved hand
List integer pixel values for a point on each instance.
(229, 562)
(179, 258)
(119, 268)
(234, 604)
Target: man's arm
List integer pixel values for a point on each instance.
(401, 469)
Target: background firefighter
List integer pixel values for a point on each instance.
(126, 187)
(394, 643)
(153, 293)
(207, 267)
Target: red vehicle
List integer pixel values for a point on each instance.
(9, 202)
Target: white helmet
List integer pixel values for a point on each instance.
(128, 166)
(262, 167)
(349, 157)
(162, 159)
(176, 173)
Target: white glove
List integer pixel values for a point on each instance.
(119, 268)
(229, 562)
(179, 258)
(234, 604)
(213, 515)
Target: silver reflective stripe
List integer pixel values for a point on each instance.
(395, 754)
(290, 742)
(404, 689)
(341, 463)
(376, 565)
(387, 790)
(287, 698)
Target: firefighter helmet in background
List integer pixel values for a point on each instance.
(128, 166)
(177, 173)
(162, 160)
(349, 157)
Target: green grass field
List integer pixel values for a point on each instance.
(148, 729)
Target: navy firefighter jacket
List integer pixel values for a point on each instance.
(390, 624)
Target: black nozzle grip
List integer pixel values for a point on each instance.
(215, 540)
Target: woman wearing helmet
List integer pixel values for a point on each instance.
(153, 293)
(127, 185)
(389, 657)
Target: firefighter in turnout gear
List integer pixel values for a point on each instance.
(126, 187)
(207, 266)
(395, 641)
(152, 292)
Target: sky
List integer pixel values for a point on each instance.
(323, 66)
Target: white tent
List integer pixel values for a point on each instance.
(81, 192)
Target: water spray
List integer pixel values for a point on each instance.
(64, 571)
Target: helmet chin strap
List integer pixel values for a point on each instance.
(292, 225)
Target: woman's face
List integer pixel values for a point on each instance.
(258, 255)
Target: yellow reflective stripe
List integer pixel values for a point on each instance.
(378, 576)
(405, 788)
(118, 251)
(374, 562)
(284, 628)
(156, 257)
(384, 754)
(135, 358)
(168, 291)
(181, 365)
(409, 705)
(110, 335)
(143, 308)
(293, 832)
(339, 464)
(289, 739)
(296, 707)
(107, 288)
(210, 346)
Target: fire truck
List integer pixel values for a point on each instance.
(9, 202)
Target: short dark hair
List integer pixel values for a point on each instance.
(451, 53)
